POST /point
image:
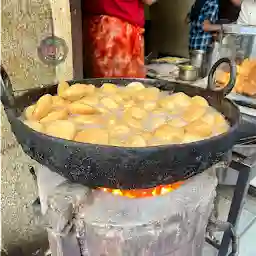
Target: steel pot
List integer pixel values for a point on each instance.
(202, 60)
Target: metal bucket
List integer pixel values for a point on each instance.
(202, 60)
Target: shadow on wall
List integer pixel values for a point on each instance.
(24, 24)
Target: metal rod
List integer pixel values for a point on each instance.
(213, 243)
(240, 192)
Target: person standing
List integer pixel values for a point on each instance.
(247, 15)
(203, 15)
(229, 11)
(113, 37)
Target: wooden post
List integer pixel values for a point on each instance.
(77, 38)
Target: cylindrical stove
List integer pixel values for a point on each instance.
(88, 222)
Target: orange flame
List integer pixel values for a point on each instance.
(139, 193)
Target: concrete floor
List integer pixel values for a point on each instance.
(246, 229)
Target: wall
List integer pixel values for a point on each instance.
(170, 32)
(24, 24)
(18, 191)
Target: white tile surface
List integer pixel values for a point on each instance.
(208, 250)
(248, 242)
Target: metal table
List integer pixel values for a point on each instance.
(245, 165)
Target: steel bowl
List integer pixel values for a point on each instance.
(188, 73)
(202, 60)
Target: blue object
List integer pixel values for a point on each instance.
(199, 39)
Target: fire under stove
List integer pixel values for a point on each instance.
(83, 222)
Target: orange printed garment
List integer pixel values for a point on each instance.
(114, 48)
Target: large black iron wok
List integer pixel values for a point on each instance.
(125, 168)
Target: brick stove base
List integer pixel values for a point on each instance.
(108, 225)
